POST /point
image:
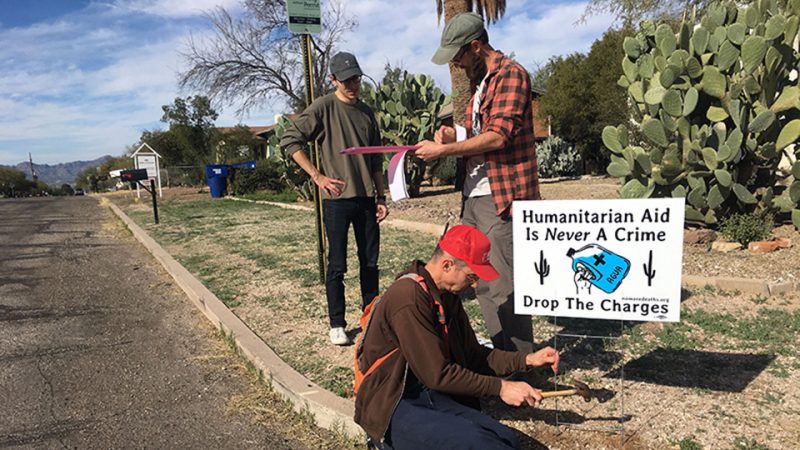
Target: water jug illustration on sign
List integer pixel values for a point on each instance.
(599, 266)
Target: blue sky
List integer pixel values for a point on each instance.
(82, 78)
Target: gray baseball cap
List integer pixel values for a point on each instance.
(344, 66)
(459, 31)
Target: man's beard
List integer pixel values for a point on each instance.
(476, 71)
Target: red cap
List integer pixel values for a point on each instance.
(471, 246)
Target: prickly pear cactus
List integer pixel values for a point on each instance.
(291, 174)
(407, 108)
(718, 105)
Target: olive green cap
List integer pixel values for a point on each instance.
(459, 31)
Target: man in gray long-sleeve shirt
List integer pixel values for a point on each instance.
(351, 186)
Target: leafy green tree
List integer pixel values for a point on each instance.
(191, 120)
(238, 144)
(541, 74)
(567, 101)
(13, 182)
(582, 97)
(168, 144)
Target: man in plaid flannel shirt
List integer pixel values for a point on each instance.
(500, 163)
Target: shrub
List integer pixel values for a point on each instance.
(556, 158)
(746, 228)
(445, 170)
(266, 176)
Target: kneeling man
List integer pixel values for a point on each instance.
(421, 369)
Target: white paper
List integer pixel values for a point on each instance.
(397, 177)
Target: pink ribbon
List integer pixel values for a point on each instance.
(378, 149)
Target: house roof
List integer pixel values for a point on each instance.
(266, 131)
(133, 155)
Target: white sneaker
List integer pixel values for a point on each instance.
(339, 337)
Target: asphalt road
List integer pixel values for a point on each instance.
(98, 349)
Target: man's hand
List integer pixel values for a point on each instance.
(381, 211)
(518, 393)
(444, 135)
(429, 150)
(582, 283)
(330, 185)
(547, 356)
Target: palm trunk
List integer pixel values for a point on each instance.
(458, 79)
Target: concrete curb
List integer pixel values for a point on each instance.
(329, 411)
(745, 285)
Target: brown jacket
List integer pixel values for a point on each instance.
(405, 319)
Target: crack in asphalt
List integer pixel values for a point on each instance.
(51, 393)
(11, 314)
(61, 350)
(44, 432)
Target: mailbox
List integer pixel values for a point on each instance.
(133, 175)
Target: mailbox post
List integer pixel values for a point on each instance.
(135, 177)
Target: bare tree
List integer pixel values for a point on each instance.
(253, 59)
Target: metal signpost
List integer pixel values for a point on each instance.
(304, 18)
(614, 260)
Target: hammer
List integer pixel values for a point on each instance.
(578, 389)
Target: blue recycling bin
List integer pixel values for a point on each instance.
(217, 177)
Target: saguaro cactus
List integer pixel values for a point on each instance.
(718, 105)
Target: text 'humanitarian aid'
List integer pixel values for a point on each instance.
(599, 259)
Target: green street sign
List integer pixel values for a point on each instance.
(304, 16)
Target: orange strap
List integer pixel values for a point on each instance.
(366, 320)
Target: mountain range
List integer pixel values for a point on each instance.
(58, 174)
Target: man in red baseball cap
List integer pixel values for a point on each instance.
(420, 369)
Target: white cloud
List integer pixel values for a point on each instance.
(532, 31)
(174, 8)
(555, 32)
(87, 83)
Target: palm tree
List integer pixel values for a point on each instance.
(492, 11)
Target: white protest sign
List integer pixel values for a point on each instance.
(599, 259)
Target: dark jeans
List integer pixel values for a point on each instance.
(337, 216)
(434, 420)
